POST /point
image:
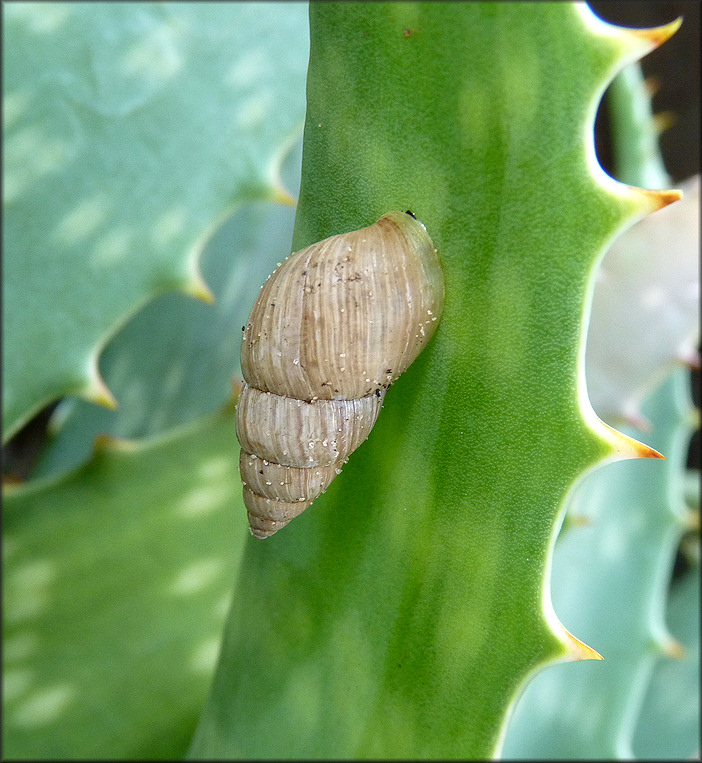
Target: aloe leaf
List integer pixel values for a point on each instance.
(116, 581)
(637, 156)
(610, 582)
(668, 727)
(402, 613)
(176, 358)
(611, 578)
(131, 130)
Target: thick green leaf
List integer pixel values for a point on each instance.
(610, 580)
(400, 615)
(131, 129)
(610, 583)
(637, 155)
(176, 358)
(116, 582)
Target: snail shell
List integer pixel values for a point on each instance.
(331, 329)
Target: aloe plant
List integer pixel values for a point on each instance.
(403, 613)
(669, 717)
(610, 583)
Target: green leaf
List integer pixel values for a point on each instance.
(176, 358)
(400, 615)
(669, 724)
(610, 578)
(610, 583)
(131, 130)
(634, 133)
(116, 582)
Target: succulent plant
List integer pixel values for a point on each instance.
(405, 611)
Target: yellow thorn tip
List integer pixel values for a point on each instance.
(196, 287)
(692, 520)
(672, 648)
(663, 121)
(104, 442)
(578, 650)
(284, 197)
(652, 85)
(656, 36)
(627, 447)
(578, 520)
(655, 200)
(99, 393)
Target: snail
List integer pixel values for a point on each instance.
(330, 330)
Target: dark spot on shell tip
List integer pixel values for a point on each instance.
(409, 212)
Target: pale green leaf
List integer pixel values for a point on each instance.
(130, 130)
(116, 583)
(176, 358)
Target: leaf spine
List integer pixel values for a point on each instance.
(625, 447)
(578, 650)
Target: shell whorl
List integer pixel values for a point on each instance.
(331, 329)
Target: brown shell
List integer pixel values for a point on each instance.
(331, 329)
